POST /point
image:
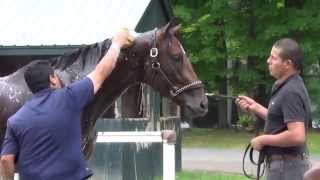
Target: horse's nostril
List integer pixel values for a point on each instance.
(203, 104)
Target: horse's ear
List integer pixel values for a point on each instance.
(175, 30)
(174, 22)
(172, 28)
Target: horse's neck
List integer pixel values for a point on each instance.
(116, 84)
(79, 63)
(128, 71)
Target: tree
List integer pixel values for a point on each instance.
(243, 31)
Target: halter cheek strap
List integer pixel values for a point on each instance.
(155, 65)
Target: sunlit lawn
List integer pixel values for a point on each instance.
(227, 139)
(203, 175)
(313, 142)
(216, 138)
(232, 139)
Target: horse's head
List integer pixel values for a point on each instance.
(167, 69)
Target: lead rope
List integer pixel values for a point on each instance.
(261, 161)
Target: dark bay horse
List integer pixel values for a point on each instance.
(157, 58)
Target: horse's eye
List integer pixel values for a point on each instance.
(176, 57)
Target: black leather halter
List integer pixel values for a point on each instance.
(155, 66)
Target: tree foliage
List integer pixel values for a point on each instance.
(242, 32)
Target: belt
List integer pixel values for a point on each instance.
(275, 157)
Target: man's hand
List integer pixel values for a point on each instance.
(123, 38)
(256, 143)
(245, 103)
(249, 105)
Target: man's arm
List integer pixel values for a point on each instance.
(249, 105)
(294, 136)
(7, 167)
(109, 60)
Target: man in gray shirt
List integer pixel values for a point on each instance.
(287, 115)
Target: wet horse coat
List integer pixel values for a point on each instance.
(166, 69)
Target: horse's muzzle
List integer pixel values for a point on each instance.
(195, 109)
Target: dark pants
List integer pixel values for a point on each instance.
(288, 169)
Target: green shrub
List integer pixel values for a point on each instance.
(246, 122)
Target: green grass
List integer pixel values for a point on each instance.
(203, 175)
(232, 139)
(313, 142)
(215, 138)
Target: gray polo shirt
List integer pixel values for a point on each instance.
(289, 102)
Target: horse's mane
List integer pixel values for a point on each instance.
(87, 54)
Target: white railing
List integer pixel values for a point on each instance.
(146, 136)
